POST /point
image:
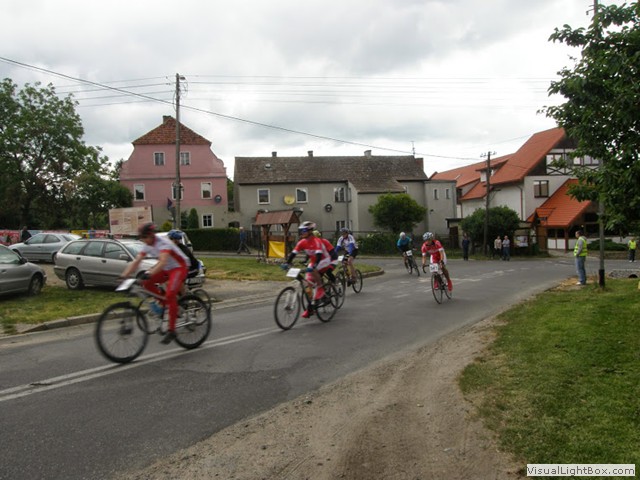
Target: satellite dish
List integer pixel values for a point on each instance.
(328, 207)
(288, 199)
(217, 198)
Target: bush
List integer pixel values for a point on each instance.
(609, 245)
(377, 243)
(210, 239)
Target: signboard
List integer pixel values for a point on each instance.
(125, 221)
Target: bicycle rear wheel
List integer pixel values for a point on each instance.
(193, 323)
(287, 308)
(357, 285)
(121, 333)
(325, 308)
(447, 292)
(436, 287)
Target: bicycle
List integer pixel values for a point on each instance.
(292, 299)
(410, 264)
(194, 285)
(123, 329)
(439, 282)
(345, 273)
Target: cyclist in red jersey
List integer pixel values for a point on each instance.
(319, 258)
(435, 250)
(171, 269)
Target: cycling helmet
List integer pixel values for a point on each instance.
(427, 236)
(402, 234)
(344, 230)
(147, 229)
(306, 227)
(175, 235)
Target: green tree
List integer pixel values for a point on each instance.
(601, 111)
(502, 221)
(397, 212)
(193, 221)
(41, 153)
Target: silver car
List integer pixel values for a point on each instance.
(43, 246)
(98, 261)
(17, 275)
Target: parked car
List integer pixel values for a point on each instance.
(43, 246)
(185, 239)
(17, 275)
(98, 261)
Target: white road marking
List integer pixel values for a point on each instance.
(92, 373)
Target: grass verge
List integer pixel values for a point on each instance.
(59, 302)
(561, 381)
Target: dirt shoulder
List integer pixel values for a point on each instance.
(403, 418)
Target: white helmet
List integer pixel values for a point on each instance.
(402, 234)
(427, 236)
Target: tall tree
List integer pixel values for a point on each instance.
(601, 112)
(41, 150)
(502, 221)
(397, 212)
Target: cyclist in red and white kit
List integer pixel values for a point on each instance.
(171, 269)
(319, 258)
(435, 250)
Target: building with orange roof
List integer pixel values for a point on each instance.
(524, 181)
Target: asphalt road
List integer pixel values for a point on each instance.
(65, 412)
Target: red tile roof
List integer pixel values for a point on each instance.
(528, 156)
(468, 174)
(560, 210)
(165, 134)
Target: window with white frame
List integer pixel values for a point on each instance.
(541, 188)
(302, 195)
(205, 189)
(185, 158)
(340, 194)
(174, 193)
(435, 194)
(138, 192)
(158, 159)
(264, 196)
(207, 220)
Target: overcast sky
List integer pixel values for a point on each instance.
(448, 79)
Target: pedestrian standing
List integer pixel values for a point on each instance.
(632, 249)
(465, 247)
(506, 248)
(580, 253)
(243, 242)
(497, 247)
(25, 234)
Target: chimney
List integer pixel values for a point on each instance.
(310, 152)
(274, 154)
(367, 153)
(166, 118)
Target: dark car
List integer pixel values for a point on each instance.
(98, 261)
(43, 246)
(17, 275)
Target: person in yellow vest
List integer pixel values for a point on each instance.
(580, 252)
(632, 249)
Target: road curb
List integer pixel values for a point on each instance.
(223, 304)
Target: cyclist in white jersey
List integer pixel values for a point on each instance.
(171, 269)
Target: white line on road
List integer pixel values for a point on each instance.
(92, 373)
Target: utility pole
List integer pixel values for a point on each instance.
(177, 217)
(486, 212)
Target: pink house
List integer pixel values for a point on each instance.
(150, 174)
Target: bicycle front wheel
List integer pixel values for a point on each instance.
(193, 323)
(357, 284)
(447, 292)
(203, 295)
(436, 287)
(121, 333)
(287, 308)
(338, 287)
